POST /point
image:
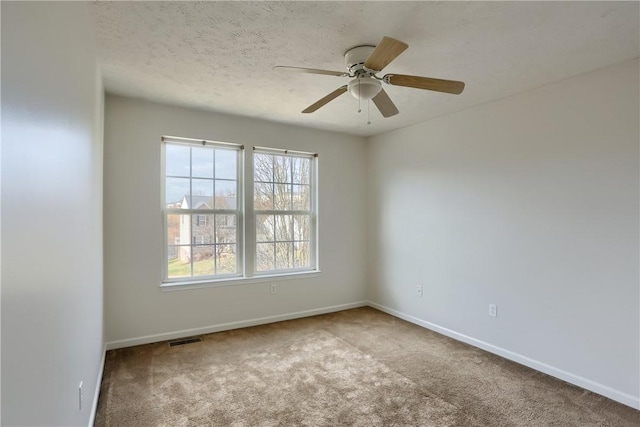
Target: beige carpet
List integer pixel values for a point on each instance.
(358, 367)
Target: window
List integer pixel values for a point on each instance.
(284, 214)
(201, 188)
(209, 235)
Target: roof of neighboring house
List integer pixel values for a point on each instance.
(198, 202)
(177, 202)
(205, 202)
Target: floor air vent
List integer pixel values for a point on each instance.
(184, 341)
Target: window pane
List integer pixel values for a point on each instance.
(301, 197)
(185, 229)
(176, 189)
(284, 228)
(226, 164)
(262, 196)
(301, 169)
(226, 259)
(301, 227)
(282, 197)
(265, 228)
(202, 162)
(282, 169)
(225, 229)
(284, 255)
(300, 254)
(264, 256)
(172, 252)
(174, 224)
(177, 162)
(180, 266)
(226, 194)
(262, 167)
(202, 230)
(202, 194)
(203, 263)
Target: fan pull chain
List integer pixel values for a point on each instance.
(368, 111)
(359, 109)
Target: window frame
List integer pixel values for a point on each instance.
(238, 212)
(245, 222)
(312, 212)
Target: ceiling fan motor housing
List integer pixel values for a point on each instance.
(364, 86)
(355, 58)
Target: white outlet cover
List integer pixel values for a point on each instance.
(493, 310)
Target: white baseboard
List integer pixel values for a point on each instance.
(228, 326)
(618, 396)
(96, 393)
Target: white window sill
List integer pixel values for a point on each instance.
(236, 281)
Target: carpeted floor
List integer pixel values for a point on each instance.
(358, 367)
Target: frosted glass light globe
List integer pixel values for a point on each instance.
(364, 88)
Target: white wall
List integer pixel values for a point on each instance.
(52, 317)
(137, 310)
(531, 203)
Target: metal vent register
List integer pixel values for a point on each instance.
(184, 341)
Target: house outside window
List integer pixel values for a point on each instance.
(220, 226)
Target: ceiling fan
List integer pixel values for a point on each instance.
(363, 63)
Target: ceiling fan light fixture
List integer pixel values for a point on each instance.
(363, 63)
(364, 88)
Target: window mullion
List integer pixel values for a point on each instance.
(283, 212)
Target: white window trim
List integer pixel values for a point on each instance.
(245, 224)
(237, 281)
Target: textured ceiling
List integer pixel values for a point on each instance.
(219, 55)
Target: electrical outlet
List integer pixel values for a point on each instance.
(80, 395)
(419, 291)
(274, 288)
(493, 310)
